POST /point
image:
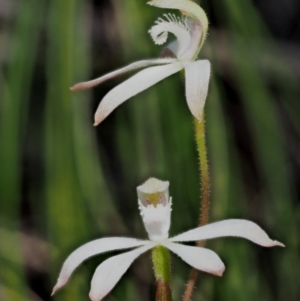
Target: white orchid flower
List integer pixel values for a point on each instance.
(190, 33)
(155, 207)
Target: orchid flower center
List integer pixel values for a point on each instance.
(155, 208)
(155, 199)
(188, 34)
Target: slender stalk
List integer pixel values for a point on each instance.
(162, 271)
(204, 173)
(205, 193)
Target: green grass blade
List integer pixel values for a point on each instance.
(14, 110)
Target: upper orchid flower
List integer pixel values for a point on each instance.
(190, 33)
(155, 207)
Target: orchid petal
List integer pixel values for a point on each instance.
(133, 66)
(134, 85)
(197, 76)
(231, 227)
(187, 7)
(90, 249)
(111, 270)
(199, 258)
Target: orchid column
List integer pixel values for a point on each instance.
(155, 207)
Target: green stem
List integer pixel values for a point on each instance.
(204, 173)
(162, 271)
(205, 193)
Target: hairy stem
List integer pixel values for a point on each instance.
(162, 271)
(205, 193)
(204, 173)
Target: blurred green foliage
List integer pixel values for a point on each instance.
(64, 182)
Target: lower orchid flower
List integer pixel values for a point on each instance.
(190, 34)
(155, 208)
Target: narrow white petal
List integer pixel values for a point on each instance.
(90, 249)
(134, 85)
(230, 227)
(199, 258)
(133, 66)
(197, 76)
(111, 270)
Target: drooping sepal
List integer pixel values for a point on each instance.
(197, 76)
(200, 258)
(111, 270)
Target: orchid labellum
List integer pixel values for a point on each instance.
(190, 32)
(155, 207)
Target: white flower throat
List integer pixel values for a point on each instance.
(155, 207)
(187, 32)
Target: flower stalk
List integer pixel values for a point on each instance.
(162, 271)
(205, 197)
(204, 173)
